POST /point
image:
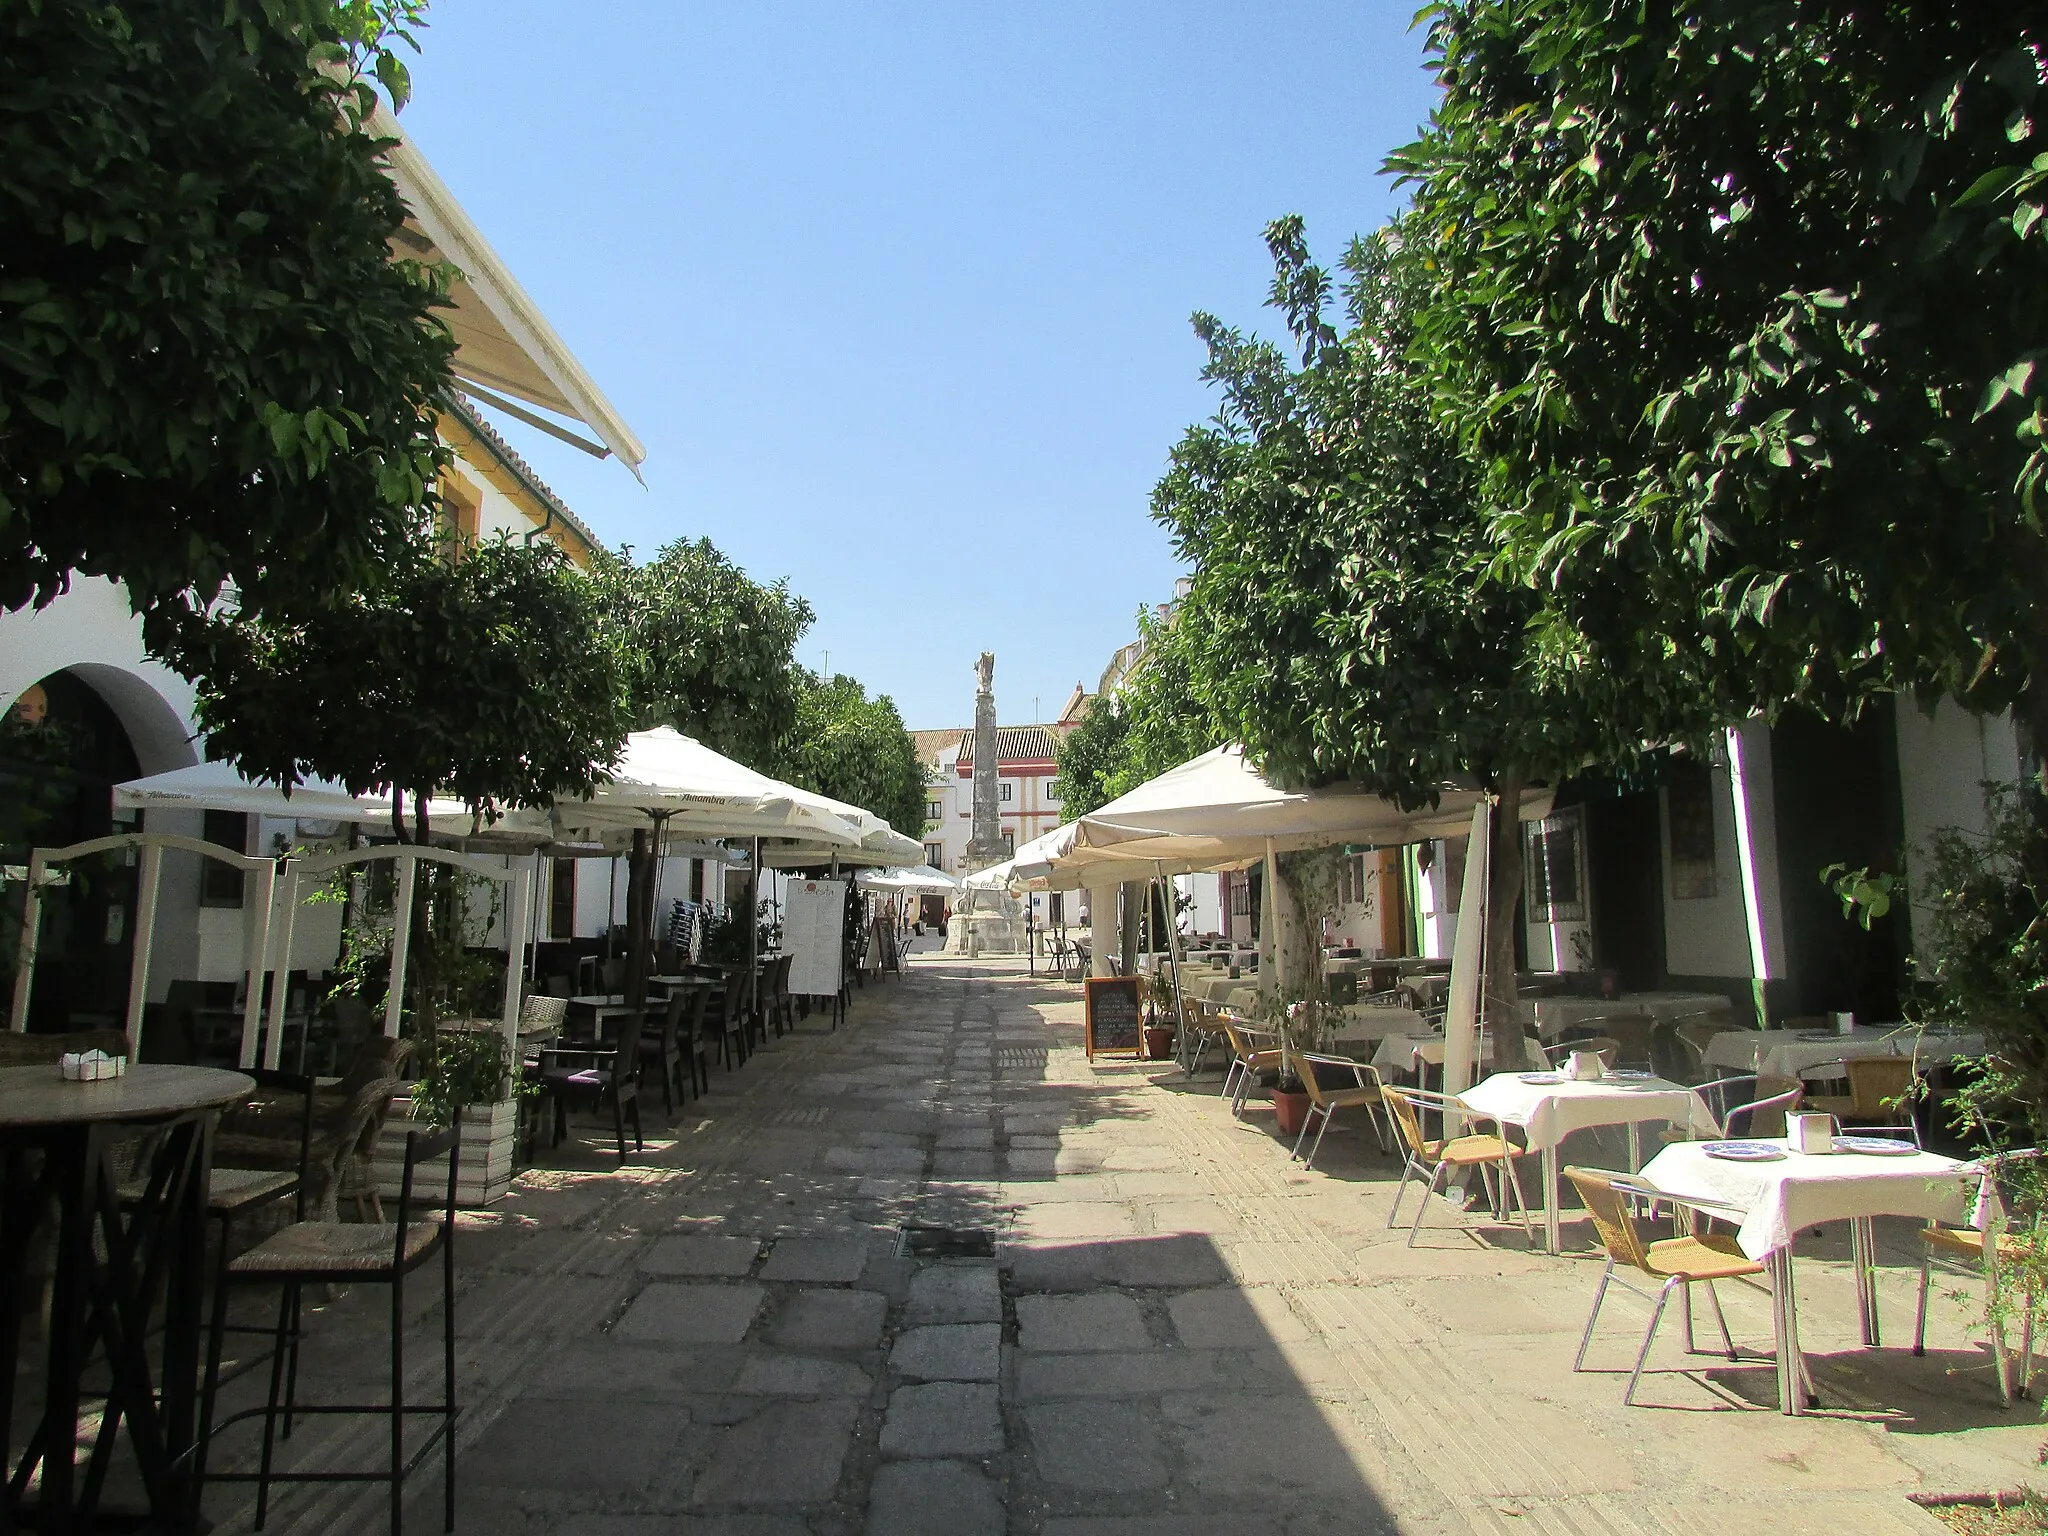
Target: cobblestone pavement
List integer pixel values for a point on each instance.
(1179, 1332)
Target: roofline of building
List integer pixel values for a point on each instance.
(551, 508)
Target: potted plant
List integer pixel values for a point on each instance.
(465, 1072)
(1290, 1098)
(1159, 1005)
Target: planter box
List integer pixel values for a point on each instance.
(486, 1169)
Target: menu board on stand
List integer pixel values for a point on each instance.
(814, 937)
(1112, 1016)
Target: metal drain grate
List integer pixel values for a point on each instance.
(1022, 1056)
(811, 1115)
(945, 1242)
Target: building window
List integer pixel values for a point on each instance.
(935, 855)
(562, 899)
(1004, 791)
(1555, 857)
(220, 885)
(1051, 791)
(1689, 798)
(1009, 843)
(697, 882)
(934, 809)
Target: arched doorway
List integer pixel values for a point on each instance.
(62, 750)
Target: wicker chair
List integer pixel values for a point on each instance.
(348, 1119)
(1324, 1102)
(1880, 1096)
(1679, 1262)
(35, 1050)
(1252, 1052)
(307, 1252)
(1493, 1155)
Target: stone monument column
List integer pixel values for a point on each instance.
(985, 922)
(985, 847)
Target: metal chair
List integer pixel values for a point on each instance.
(333, 1252)
(1749, 1106)
(1678, 1262)
(1324, 1102)
(1879, 1100)
(1252, 1051)
(2011, 1184)
(1491, 1155)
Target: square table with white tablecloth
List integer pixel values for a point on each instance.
(1781, 1198)
(1789, 1052)
(1411, 1053)
(1549, 1108)
(1362, 1027)
(1552, 1016)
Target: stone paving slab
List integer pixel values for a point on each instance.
(1181, 1333)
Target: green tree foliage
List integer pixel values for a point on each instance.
(481, 672)
(854, 748)
(212, 371)
(705, 648)
(1738, 307)
(1340, 540)
(1157, 720)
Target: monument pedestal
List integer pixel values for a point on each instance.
(985, 922)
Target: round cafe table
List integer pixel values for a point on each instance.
(125, 1236)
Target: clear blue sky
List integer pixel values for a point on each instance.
(898, 295)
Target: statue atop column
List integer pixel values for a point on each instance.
(985, 847)
(986, 922)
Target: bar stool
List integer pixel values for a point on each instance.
(364, 1253)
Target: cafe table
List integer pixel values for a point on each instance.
(1549, 1107)
(1789, 1052)
(601, 1006)
(126, 1238)
(1782, 1197)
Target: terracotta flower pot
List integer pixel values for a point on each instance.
(1158, 1042)
(1290, 1110)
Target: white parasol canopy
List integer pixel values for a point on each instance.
(664, 775)
(220, 786)
(924, 879)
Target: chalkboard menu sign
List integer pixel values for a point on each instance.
(1113, 1021)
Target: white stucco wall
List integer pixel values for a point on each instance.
(89, 631)
(1945, 759)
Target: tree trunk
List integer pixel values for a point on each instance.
(639, 897)
(1511, 1049)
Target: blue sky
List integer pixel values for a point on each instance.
(898, 295)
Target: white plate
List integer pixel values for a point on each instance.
(1875, 1146)
(1745, 1151)
(1540, 1077)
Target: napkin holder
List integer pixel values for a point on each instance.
(90, 1066)
(1584, 1067)
(1845, 1023)
(1812, 1134)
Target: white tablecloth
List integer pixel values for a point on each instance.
(1786, 1197)
(1363, 1025)
(1549, 1112)
(1404, 1053)
(1787, 1052)
(1554, 1015)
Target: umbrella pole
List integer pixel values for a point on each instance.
(754, 929)
(1180, 1012)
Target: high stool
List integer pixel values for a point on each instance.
(355, 1253)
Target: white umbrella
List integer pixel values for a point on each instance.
(221, 787)
(924, 879)
(664, 775)
(1218, 810)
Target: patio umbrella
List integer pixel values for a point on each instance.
(666, 777)
(922, 879)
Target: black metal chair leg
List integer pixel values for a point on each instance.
(448, 1385)
(291, 1369)
(397, 1403)
(270, 1407)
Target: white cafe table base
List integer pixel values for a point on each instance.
(1549, 1112)
(1785, 1197)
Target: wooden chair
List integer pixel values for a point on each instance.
(1880, 1096)
(1324, 1102)
(1493, 1155)
(1678, 1262)
(346, 1253)
(661, 1047)
(599, 1075)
